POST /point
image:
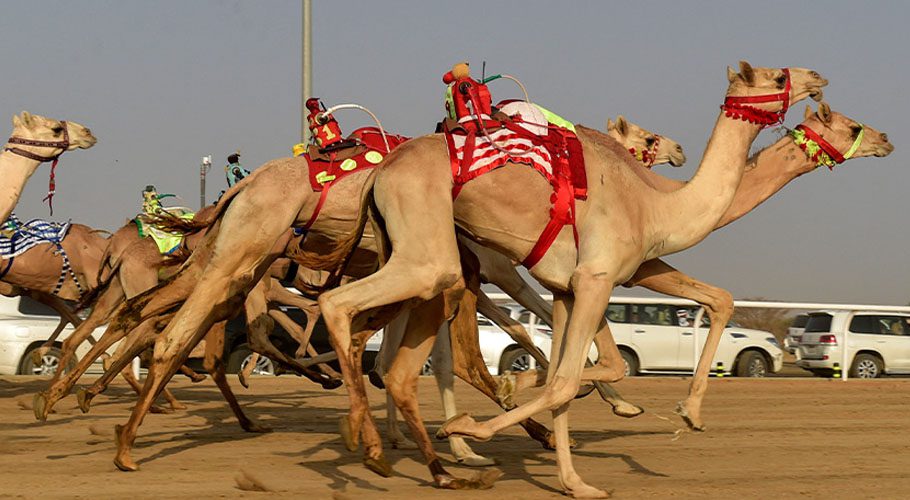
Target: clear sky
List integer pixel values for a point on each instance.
(163, 83)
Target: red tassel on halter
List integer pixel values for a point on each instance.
(51, 187)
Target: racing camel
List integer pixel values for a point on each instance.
(623, 222)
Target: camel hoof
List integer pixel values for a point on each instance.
(243, 380)
(694, 423)
(122, 459)
(378, 465)
(39, 405)
(331, 383)
(351, 441)
(178, 406)
(251, 426)
(462, 425)
(584, 391)
(481, 481)
(585, 491)
(626, 409)
(197, 377)
(551, 442)
(376, 379)
(159, 410)
(84, 400)
(475, 461)
(39, 353)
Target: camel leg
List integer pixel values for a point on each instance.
(260, 326)
(423, 324)
(247, 371)
(661, 277)
(192, 375)
(62, 383)
(302, 336)
(137, 341)
(214, 364)
(445, 381)
(392, 335)
(592, 291)
(127, 374)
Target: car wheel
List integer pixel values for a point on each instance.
(866, 366)
(427, 368)
(631, 363)
(752, 364)
(48, 364)
(242, 355)
(515, 360)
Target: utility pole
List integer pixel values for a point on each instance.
(307, 68)
(204, 167)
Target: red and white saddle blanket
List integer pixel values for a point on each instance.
(527, 138)
(366, 150)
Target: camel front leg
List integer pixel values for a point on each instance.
(423, 324)
(214, 364)
(445, 381)
(392, 335)
(661, 277)
(592, 293)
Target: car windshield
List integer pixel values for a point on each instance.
(819, 323)
(31, 307)
(799, 321)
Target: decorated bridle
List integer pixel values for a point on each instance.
(738, 107)
(649, 155)
(63, 144)
(822, 151)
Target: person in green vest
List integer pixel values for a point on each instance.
(234, 171)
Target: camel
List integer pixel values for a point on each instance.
(766, 173)
(623, 222)
(35, 140)
(284, 180)
(130, 266)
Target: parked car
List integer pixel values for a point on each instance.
(877, 343)
(658, 338)
(25, 325)
(795, 333)
(237, 352)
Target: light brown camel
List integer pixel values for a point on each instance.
(623, 222)
(132, 265)
(280, 180)
(35, 140)
(766, 173)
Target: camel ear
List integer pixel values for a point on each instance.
(622, 125)
(610, 125)
(745, 70)
(808, 112)
(824, 112)
(731, 74)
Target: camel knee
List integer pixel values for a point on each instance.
(721, 305)
(401, 388)
(559, 391)
(440, 278)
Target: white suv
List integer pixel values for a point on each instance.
(24, 326)
(877, 343)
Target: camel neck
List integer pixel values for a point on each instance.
(15, 171)
(765, 174)
(686, 216)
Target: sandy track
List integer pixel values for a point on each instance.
(808, 438)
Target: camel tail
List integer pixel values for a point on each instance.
(204, 218)
(337, 260)
(106, 272)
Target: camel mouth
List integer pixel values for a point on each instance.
(677, 161)
(817, 95)
(884, 150)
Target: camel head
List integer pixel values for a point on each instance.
(841, 137)
(646, 146)
(764, 91)
(38, 128)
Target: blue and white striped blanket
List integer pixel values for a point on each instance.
(17, 237)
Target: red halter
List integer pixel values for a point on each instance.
(826, 146)
(64, 144)
(736, 106)
(649, 155)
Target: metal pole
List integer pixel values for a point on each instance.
(306, 90)
(204, 167)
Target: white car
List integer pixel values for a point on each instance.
(501, 353)
(658, 338)
(24, 326)
(795, 333)
(877, 343)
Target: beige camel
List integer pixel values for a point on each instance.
(35, 140)
(283, 180)
(766, 173)
(623, 222)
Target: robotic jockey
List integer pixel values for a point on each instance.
(325, 131)
(234, 171)
(467, 100)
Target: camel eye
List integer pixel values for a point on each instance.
(855, 130)
(56, 130)
(649, 141)
(781, 80)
